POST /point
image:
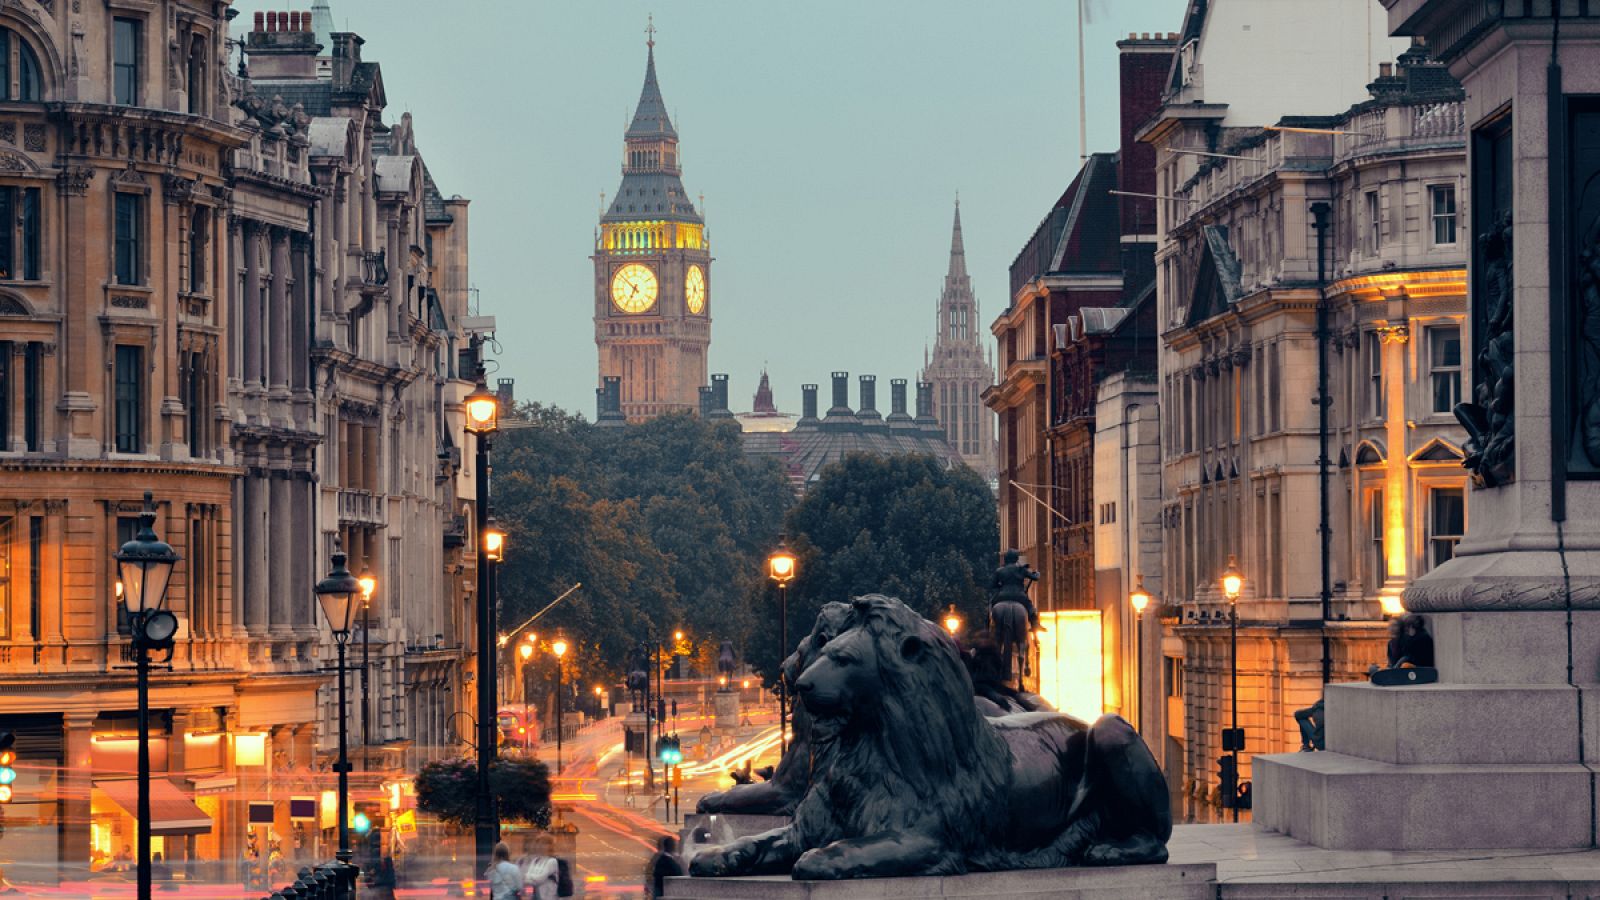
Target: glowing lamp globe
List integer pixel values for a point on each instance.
(781, 565)
(1232, 581)
(483, 410)
(1140, 598)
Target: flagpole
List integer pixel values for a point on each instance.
(1083, 109)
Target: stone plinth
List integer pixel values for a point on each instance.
(726, 704)
(1169, 882)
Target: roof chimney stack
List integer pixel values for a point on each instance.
(868, 412)
(808, 405)
(719, 397)
(897, 403)
(841, 398)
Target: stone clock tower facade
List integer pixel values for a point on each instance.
(652, 271)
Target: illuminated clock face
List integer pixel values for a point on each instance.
(633, 288)
(694, 290)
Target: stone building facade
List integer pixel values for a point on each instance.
(1238, 286)
(169, 297)
(957, 367)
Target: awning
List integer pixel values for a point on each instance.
(171, 810)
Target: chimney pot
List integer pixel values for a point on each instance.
(261, 21)
(294, 20)
(305, 23)
(1385, 70)
(1144, 35)
(272, 21)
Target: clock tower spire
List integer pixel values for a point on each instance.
(652, 260)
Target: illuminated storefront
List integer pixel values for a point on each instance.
(1071, 667)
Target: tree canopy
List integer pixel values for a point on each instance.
(666, 524)
(905, 526)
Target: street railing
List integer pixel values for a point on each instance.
(329, 881)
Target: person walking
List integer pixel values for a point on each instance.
(541, 870)
(663, 865)
(505, 879)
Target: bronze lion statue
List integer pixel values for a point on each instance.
(778, 796)
(919, 782)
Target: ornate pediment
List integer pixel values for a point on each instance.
(17, 163)
(11, 306)
(1216, 283)
(1438, 450)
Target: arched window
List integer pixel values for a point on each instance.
(21, 79)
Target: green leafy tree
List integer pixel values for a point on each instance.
(906, 526)
(521, 786)
(666, 524)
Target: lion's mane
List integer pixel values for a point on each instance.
(922, 758)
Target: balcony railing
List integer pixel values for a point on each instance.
(360, 506)
(374, 269)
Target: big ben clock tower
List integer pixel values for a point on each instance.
(652, 271)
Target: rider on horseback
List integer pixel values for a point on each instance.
(1011, 582)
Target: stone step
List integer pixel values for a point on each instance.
(1456, 724)
(1189, 881)
(1344, 802)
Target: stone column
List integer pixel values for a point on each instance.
(253, 553)
(279, 333)
(303, 554)
(282, 546)
(230, 287)
(397, 281)
(1397, 469)
(250, 326)
(77, 780)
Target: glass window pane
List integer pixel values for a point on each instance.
(126, 61)
(30, 234)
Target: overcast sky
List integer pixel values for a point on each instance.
(828, 137)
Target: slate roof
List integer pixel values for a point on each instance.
(650, 119)
(315, 95)
(804, 451)
(655, 195)
(1081, 233)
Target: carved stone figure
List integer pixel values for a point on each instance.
(778, 795)
(917, 782)
(1490, 420)
(1588, 361)
(639, 675)
(1011, 613)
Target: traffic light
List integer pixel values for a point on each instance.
(1227, 781)
(8, 757)
(674, 709)
(669, 750)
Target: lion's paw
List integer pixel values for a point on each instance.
(816, 865)
(709, 864)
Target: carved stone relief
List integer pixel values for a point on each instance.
(1489, 419)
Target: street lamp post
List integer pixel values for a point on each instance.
(559, 648)
(781, 569)
(483, 412)
(369, 584)
(145, 564)
(526, 651)
(1139, 600)
(1233, 741)
(336, 594)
